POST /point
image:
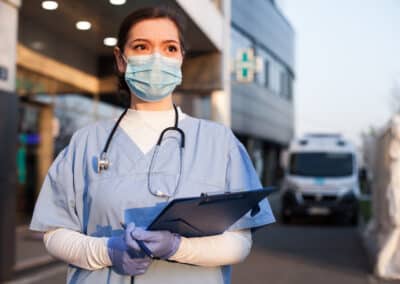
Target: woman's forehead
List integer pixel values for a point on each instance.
(157, 29)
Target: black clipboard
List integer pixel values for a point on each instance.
(209, 214)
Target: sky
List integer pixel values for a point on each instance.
(347, 63)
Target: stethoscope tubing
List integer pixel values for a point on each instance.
(103, 162)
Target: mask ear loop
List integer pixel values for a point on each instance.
(124, 58)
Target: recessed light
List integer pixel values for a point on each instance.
(49, 5)
(117, 2)
(83, 25)
(38, 45)
(110, 41)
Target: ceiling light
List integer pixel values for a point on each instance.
(110, 41)
(117, 2)
(38, 45)
(49, 5)
(83, 25)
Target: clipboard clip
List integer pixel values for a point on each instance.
(205, 195)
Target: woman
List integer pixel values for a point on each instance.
(85, 200)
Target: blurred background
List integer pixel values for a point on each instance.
(311, 88)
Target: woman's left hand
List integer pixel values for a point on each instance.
(163, 244)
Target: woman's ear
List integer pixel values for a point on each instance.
(121, 64)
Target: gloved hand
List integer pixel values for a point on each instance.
(162, 244)
(126, 260)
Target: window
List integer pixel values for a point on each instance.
(262, 77)
(266, 73)
(283, 84)
(286, 82)
(275, 78)
(290, 88)
(322, 164)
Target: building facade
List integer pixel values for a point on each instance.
(262, 112)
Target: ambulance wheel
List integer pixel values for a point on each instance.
(354, 219)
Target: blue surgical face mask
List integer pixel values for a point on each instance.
(152, 77)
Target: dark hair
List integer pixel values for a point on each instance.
(140, 15)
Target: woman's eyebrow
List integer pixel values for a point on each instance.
(149, 41)
(140, 39)
(170, 41)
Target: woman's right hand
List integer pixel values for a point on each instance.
(125, 260)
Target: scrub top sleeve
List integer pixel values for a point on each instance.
(241, 175)
(55, 206)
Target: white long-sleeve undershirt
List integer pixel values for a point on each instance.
(144, 128)
(78, 249)
(91, 252)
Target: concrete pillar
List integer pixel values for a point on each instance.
(221, 99)
(8, 181)
(8, 43)
(8, 135)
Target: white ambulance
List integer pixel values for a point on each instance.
(321, 178)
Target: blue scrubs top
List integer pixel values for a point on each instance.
(75, 196)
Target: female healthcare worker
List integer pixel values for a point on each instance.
(124, 172)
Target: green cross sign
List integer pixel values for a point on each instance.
(245, 65)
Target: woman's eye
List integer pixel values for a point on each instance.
(172, 48)
(139, 47)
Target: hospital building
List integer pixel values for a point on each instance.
(57, 74)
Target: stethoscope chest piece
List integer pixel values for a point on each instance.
(102, 162)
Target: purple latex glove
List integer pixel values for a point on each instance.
(124, 259)
(162, 244)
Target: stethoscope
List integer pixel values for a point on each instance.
(103, 163)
